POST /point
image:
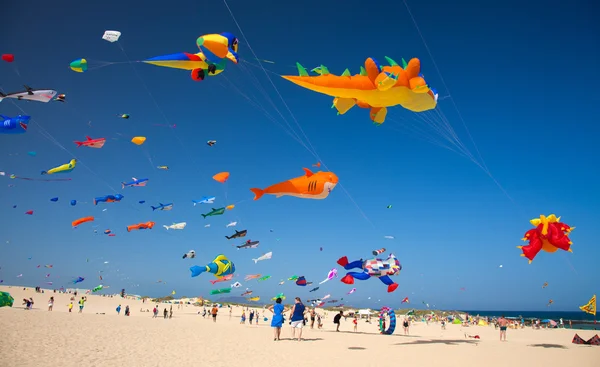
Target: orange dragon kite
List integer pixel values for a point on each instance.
(376, 87)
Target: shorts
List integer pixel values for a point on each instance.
(502, 328)
(214, 316)
(298, 324)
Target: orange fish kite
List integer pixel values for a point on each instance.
(310, 186)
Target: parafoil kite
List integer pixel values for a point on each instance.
(138, 140)
(221, 177)
(111, 36)
(376, 87)
(79, 65)
(549, 235)
(147, 225)
(67, 167)
(14, 125)
(82, 220)
(8, 57)
(310, 186)
(220, 266)
(382, 269)
(218, 48)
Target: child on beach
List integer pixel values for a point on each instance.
(50, 303)
(70, 306)
(243, 321)
(355, 322)
(319, 324)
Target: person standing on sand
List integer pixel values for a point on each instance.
(243, 320)
(277, 320)
(312, 318)
(355, 322)
(171, 312)
(81, 304)
(251, 316)
(118, 309)
(406, 325)
(50, 303)
(297, 318)
(503, 323)
(70, 306)
(214, 312)
(127, 310)
(336, 320)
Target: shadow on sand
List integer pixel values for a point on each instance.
(357, 348)
(440, 341)
(555, 346)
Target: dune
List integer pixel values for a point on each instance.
(100, 337)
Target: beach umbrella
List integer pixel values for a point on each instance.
(6, 299)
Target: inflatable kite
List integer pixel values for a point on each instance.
(78, 280)
(67, 167)
(138, 140)
(220, 266)
(252, 276)
(310, 186)
(108, 199)
(91, 143)
(301, 281)
(382, 269)
(332, 274)
(549, 235)
(82, 220)
(220, 291)
(213, 212)
(147, 225)
(79, 65)
(30, 94)
(376, 87)
(190, 254)
(221, 177)
(215, 49)
(98, 288)
(224, 278)
(8, 57)
(390, 312)
(14, 125)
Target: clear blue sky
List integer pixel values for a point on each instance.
(524, 78)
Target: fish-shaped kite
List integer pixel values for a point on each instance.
(310, 186)
(238, 234)
(231, 224)
(405, 300)
(190, 254)
(222, 279)
(30, 94)
(67, 167)
(314, 289)
(176, 226)
(210, 143)
(91, 143)
(147, 225)
(220, 267)
(252, 276)
(213, 212)
(266, 256)
(351, 291)
(164, 168)
(263, 278)
(249, 244)
(14, 125)
(162, 206)
(220, 291)
(135, 183)
(204, 200)
(254, 299)
(332, 274)
(108, 199)
(246, 293)
(236, 285)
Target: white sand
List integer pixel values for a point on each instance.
(46, 339)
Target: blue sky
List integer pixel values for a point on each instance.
(525, 87)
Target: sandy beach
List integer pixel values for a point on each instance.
(98, 337)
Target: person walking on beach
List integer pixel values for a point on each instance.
(171, 312)
(277, 320)
(243, 320)
(70, 306)
(81, 304)
(251, 316)
(127, 310)
(51, 304)
(406, 325)
(297, 318)
(312, 318)
(319, 324)
(214, 312)
(503, 323)
(154, 312)
(118, 310)
(336, 320)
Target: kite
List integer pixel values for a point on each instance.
(545, 285)
(263, 278)
(236, 285)
(382, 269)
(166, 168)
(230, 207)
(237, 234)
(14, 125)
(405, 300)
(176, 226)
(73, 202)
(190, 254)
(590, 307)
(379, 252)
(211, 60)
(594, 340)
(220, 266)
(125, 116)
(549, 303)
(310, 186)
(246, 293)
(249, 244)
(8, 57)
(252, 276)
(390, 312)
(266, 256)
(79, 65)
(82, 220)
(210, 143)
(29, 212)
(136, 182)
(78, 280)
(221, 177)
(98, 288)
(204, 200)
(549, 235)
(213, 212)
(351, 291)
(222, 279)
(54, 199)
(29, 94)
(332, 274)
(108, 199)
(61, 98)
(254, 299)
(139, 226)
(220, 291)
(111, 36)
(67, 167)
(162, 207)
(376, 87)
(138, 140)
(280, 295)
(314, 289)
(301, 281)
(231, 224)
(91, 143)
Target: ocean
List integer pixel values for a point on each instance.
(580, 320)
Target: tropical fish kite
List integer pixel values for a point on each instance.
(310, 186)
(549, 234)
(376, 87)
(220, 267)
(215, 49)
(14, 125)
(67, 167)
